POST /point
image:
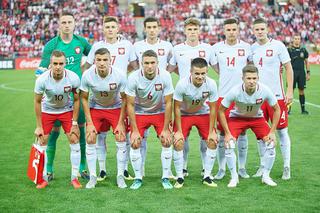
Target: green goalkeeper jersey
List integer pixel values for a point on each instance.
(74, 50)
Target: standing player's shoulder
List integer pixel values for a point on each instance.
(166, 43)
(210, 81)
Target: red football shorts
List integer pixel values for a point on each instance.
(145, 121)
(200, 121)
(227, 112)
(259, 126)
(49, 119)
(104, 118)
(268, 113)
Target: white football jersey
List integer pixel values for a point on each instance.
(121, 52)
(162, 48)
(194, 99)
(104, 92)
(248, 106)
(268, 58)
(57, 94)
(149, 94)
(231, 60)
(183, 54)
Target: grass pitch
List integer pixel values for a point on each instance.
(18, 193)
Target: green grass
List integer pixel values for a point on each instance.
(18, 193)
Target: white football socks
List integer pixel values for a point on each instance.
(75, 159)
(102, 151)
(121, 157)
(210, 158)
(135, 156)
(242, 151)
(185, 153)
(203, 150)
(178, 162)
(91, 155)
(221, 154)
(231, 162)
(166, 158)
(285, 146)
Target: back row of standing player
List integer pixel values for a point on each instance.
(227, 57)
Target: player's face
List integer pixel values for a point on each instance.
(260, 31)
(110, 29)
(250, 81)
(231, 31)
(198, 75)
(152, 29)
(192, 32)
(102, 63)
(66, 24)
(296, 41)
(150, 66)
(57, 65)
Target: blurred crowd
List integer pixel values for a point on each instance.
(28, 25)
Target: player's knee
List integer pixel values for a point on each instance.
(179, 145)
(166, 142)
(73, 139)
(211, 144)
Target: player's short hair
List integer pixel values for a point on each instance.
(230, 21)
(102, 51)
(192, 21)
(107, 19)
(66, 13)
(149, 53)
(250, 68)
(260, 21)
(150, 19)
(199, 62)
(296, 35)
(58, 53)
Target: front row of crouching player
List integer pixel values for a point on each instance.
(145, 99)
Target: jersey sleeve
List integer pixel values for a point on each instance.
(250, 57)
(228, 99)
(90, 58)
(178, 92)
(270, 97)
(213, 58)
(173, 60)
(132, 53)
(123, 84)
(39, 87)
(306, 54)
(130, 88)
(84, 85)
(75, 81)
(86, 46)
(168, 89)
(213, 92)
(283, 54)
(45, 58)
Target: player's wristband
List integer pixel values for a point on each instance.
(74, 123)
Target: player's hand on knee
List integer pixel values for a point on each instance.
(212, 140)
(120, 132)
(270, 139)
(91, 133)
(166, 138)
(75, 130)
(178, 141)
(135, 139)
(38, 132)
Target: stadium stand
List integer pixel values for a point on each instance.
(28, 25)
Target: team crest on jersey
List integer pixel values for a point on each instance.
(158, 87)
(269, 53)
(259, 101)
(77, 50)
(161, 52)
(202, 53)
(121, 51)
(113, 86)
(67, 89)
(205, 94)
(241, 52)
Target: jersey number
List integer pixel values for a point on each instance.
(113, 59)
(231, 61)
(70, 60)
(249, 108)
(149, 96)
(58, 97)
(260, 62)
(196, 102)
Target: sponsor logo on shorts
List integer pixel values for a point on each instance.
(158, 87)
(161, 52)
(269, 53)
(121, 51)
(241, 52)
(113, 86)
